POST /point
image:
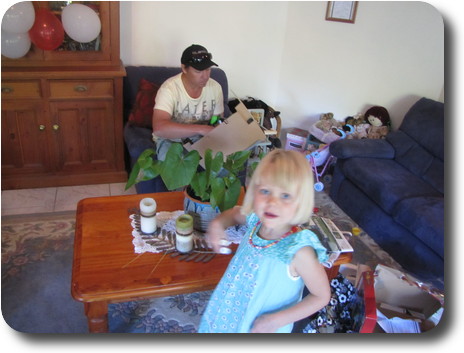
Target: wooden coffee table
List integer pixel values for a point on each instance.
(107, 270)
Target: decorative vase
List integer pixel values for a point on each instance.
(202, 212)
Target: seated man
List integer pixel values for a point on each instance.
(186, 102)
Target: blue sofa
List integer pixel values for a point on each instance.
(394, 189)
(139, 138)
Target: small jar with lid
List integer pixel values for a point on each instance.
(184, 233)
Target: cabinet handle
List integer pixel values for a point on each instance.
(7, 89)
(41, 127)
(80, 88)
(56, 127)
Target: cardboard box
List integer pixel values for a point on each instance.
(401, 296)
(296, 139)
(239, 132)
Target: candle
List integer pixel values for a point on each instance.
(148, 215)
(184, 233)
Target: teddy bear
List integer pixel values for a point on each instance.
(360, 126)
(326, 122)
(355, 120)
(379, 121)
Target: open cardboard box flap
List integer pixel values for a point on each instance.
(238, 132)
(397, 289)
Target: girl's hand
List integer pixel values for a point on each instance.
(265, 324)
(216, 236)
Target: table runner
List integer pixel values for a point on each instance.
(166, 221)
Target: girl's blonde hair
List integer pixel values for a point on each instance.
(288, 170)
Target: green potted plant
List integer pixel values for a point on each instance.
(209, 190)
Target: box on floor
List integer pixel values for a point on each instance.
(393, 301)
(297, 139)
(399, 295)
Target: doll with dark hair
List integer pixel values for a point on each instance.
(379, 121)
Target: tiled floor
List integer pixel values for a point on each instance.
(55, 199)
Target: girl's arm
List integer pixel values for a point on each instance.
(217, 227)
(306, 265)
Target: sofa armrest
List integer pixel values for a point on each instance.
(363, 148)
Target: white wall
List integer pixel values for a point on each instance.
(288, 55)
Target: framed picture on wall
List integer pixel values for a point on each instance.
(341, 11)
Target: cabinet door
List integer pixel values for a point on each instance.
(83, 135)
(102, 51)
(24, 138)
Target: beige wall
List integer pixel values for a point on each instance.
(287, 54)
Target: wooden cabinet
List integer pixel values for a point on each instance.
(23, 127)
(62, 113)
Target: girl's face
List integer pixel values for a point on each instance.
(275, 207)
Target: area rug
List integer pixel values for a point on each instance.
(36, 271)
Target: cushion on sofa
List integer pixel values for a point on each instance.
(425, 123)
(423, 217)
(142, 110)
(367, 148)
(418, 160)
(385, 181)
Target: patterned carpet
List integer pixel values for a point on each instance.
(36, 274)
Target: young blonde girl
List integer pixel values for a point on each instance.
(262, 287)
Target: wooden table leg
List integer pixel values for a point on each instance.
(97, 316)
(332, 272)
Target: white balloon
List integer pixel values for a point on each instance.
(15, 45)
(81, 23)
(19, 18)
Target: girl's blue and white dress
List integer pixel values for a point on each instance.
(257, 281)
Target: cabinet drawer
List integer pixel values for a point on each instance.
(21, 89)
(81, 89)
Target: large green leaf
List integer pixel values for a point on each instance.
(178, 168)
(212, 166)
(144, 169)
(236, 161)
(231, 195)
(217, 193)
(132, 180)
(199, 186)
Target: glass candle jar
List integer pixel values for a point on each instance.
(184, 233)
(148, 215)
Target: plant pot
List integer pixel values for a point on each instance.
(202, 212)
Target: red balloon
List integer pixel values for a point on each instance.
(47, 32)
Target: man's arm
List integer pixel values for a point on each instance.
(164, 127)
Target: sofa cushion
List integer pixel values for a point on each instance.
(142, 110)
(367, 148)
(385, 181)
(425, 123)
(418, 160)
(423, 217)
